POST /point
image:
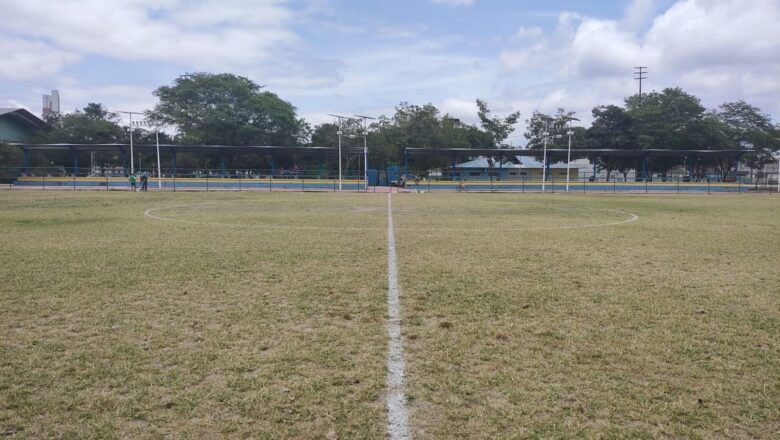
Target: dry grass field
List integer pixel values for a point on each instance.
(212, 315)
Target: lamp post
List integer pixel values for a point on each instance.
(570, 132)
(157, 140)
(130, 114)
(340, 133)
(365, 147)
(546, 135)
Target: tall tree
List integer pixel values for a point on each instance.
(746, 126)
(498, 128)
(93, 125)
(613, 128)
(556, 126)
(228, 109)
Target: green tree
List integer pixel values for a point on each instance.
(228, 109)
(556, 126)
(498, 128)
(613, 129)
(746, 126)
(93, 125)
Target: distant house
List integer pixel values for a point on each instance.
(19, 125)
(516, 168)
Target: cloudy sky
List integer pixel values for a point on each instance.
(364, 57)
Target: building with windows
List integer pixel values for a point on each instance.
(521, 168)
(51, 104)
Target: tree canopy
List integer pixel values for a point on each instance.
(227, 109)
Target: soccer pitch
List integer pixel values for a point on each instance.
(265, 315)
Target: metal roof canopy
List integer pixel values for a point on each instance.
(590, 152)
(25, 117)
(261, 149)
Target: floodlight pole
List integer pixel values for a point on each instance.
(568, 160)
(339, 135)
(365, 148)
(159, 170)
(132, 162)
(544, 161)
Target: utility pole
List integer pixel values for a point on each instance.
(132, 163)
(640, 73)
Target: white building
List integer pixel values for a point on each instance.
(51, 103)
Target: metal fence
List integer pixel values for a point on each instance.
(183, 180)
(354, 181)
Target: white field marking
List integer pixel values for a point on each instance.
(397, 420)
(151, 214)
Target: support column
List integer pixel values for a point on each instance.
(75, 161)
(123, 155)
(547, 168)
(452, 172)
(25, 161)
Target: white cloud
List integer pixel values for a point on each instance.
(23, 60)
(719, 50)
(192, 33)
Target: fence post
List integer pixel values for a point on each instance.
(239, 183)
(303, 185)
(207, 183)
(106, 183)
(43, 182)
(270, 184)
(334, 184)
(522, 185)
(614, 186)
(708, 186)
(74, 181)
(491, 183)
(739, 186)
(645, 184)
(174, 181)
(678, 184)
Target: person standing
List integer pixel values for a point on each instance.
(144, 181)
(131, 178)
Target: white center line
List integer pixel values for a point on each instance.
(397, 420)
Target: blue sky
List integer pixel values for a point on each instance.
(340, 56)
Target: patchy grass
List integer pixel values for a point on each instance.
(263, 315)
(664, 327)
(115, 325)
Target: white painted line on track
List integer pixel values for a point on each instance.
(397, 419)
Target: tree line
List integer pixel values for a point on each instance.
(226, 109)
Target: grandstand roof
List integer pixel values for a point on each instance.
(260, 149)
(578, 152)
